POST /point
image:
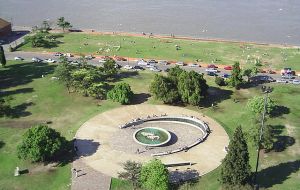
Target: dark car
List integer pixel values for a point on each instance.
(212, 74)
(138, 68)
(212, 66)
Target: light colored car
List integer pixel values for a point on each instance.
(295, 81)
(193, 65)
(102, 60)
(180, 63)
(49, 60)
(58, 54)
(19, 58)
(127, 67)
(35, 59)
(212, 70)
(142, 62)
(163, 62)
(89, 57)
(68, 55)
(154, 69)
(281, 81)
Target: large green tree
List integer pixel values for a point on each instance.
(41, 143)
(131, 172)
(235, 168)
(109, 67)
(62, 23)
(174, 73)
(2, 57)
(121, 93)
(256, 105)
(236, 77)
(164, 89)
(154, 176)
(64, 72)
(192, 87)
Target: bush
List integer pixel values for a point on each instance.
(41, 143)
(220, 81)
(121, 93)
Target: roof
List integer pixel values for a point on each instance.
(3, 23)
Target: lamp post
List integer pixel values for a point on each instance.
(266, 90)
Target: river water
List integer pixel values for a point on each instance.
(270, 21)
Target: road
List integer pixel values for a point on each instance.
(29, 55)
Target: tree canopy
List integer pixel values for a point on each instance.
(132, 172)
(235, 169)
(62, 23)
(121, 93)
(256, 105)
(236, 76)
(154, 176)
(41, 143)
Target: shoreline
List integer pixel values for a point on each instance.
(163, 36)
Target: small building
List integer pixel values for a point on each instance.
(5, 28)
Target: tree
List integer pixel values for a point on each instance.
(220, 81)
(37, 40)
(45, 26)
(109, 67)
(236, 77)
(131, 173)
(83, 78)
(62, 23)
(164, 89)
(235, 169)
(64, 72)
(174, 73)
(2, 57)
(120, 93)
(256, 105)
(97, 90)
(41, 143)
(154, 176)
(247, 73)
(192, 87)
(267, 138)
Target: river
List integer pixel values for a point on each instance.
(269, 21)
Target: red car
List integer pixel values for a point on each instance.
(212, 66)
(228, 68)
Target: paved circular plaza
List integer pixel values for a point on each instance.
(104, 146)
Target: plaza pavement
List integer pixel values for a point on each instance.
(96, 139)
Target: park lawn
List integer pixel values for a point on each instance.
(225, 53)
(38, 99)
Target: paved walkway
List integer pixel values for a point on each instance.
(94, 141)
(88, 178)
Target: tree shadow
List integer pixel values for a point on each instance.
(2, 144)
(282, 141)
(279, 111)
(140, 98)
(123, 74)
(85, 147)
(17, 111)
(19, 74)
(17, 91)
(277, 174)
(180, 177)
(215, 96)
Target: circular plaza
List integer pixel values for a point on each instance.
(182, 139)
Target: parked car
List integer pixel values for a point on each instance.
(193, 65)
(138, 68)
(281, 81)
(229, 68)
(226, 76)
(58, 54)
(142, 62)
(127, 67)
(68, 55)
(152, 61)
(163, 62)
(295, 81)
(212, 74)
(180, 63)
(19, 58)
(287, 76)
(37, 60)
(117, 58)
(154, 69)
(212, 66)
(49, 60)
(89, 57)
(213, 70)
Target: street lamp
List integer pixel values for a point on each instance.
(266, 90)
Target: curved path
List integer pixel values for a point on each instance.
(96, 141)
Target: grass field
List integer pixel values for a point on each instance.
(225, 53)
(37, 99)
